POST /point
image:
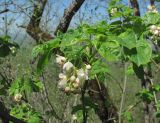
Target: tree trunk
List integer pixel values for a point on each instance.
(106, 111)
(135, 6)
(152, 3)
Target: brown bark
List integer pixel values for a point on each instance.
(33, 28)
(152, 3)
(106, 111)
(67, 17)
(135, 6)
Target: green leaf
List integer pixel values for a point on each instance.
(146, 95)
(143, 53)
(128, 39)
(99, 67)
(127, 115)
(43, 61)
(152, 18)
(109, 49)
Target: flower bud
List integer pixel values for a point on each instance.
(82, 75)
(62, 76)
(88, 67)
(60, 59)
(153, 27)
(75, 85)
(73, 78)
(149, 7)
(68, 67)
(77, 80)
(67, 89)
(74, 117)
(18, 97)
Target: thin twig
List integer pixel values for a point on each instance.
(123, 94)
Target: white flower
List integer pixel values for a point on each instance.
(155, 32)
(88, 67)
(67, 89)
(74, 117)
(75, 85)
(68, 67)
(60, 59)
(155, 11)
(152, 9)
(62, 76)
(153, 27)
(62, 83)
(77, 80)
(113, 11)
(13, 49)
(158, 28)
(73, 78)
(149, 7)
(18, 97)
(82, 75)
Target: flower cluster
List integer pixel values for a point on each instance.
(71, 78)
(113, 11)
(18, 97)
(152, 9)
(155, 30)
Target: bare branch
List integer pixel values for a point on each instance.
(3, 11)
(67, 17)
(34, 29)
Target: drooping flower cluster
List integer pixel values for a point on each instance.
(71, 78)
(155, 30)
(152, 9)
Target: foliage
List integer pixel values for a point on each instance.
(25, 113)
(124, 39)
(7, 47)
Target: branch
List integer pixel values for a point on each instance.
(68, 14)
(33, 28)
(3, 11)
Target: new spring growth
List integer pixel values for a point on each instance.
(152, 9)
(18, 97)
(71, 78)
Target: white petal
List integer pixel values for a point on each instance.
(88, 67)
(68, 67)
(60, 59)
